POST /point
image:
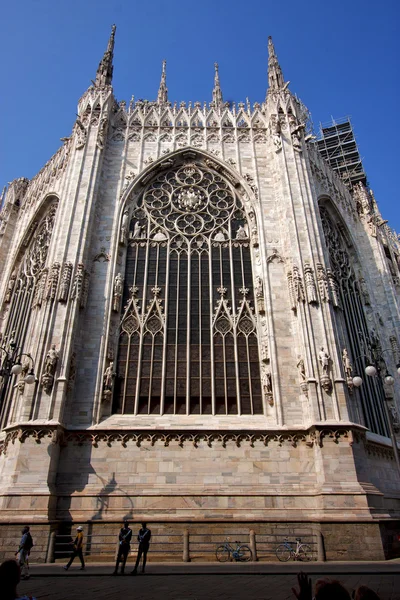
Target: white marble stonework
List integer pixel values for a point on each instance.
(196, 289)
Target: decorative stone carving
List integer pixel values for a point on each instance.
(118, 289)
(298, 285)
(310, 284)
(241, 233)
(81, 134)
(267, 387)
(292, 297)
(49, 370)
(128, 178)
(395, 348)
(65, 282)
(394, 415)
(11, 285)
(259, 294)
(334, 288)
(71, 372)
(85, 290)
(250, 180)
(123, 237)
(323, 285)
(53, 281)
(264, 341)
(77, 286)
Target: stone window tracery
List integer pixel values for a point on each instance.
(353, 329)
(188, 339)
(29, 285)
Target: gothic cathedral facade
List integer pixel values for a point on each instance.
(195, 295)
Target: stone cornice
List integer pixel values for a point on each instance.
(314, 436)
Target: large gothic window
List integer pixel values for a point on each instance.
(352, 324)
(29, 286)
(188, 338)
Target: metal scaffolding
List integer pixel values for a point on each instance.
(338, 146)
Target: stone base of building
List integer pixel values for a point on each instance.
(197, 542)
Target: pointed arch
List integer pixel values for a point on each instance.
(189, 244)
(347, 292)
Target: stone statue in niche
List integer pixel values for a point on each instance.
(259, 293)
(81, 134)
(108, 381)
(23, 374)
(323, 284)
(267, 386)
(241, 233)
(347, 366)
(324, 359)
(101, 136)
(123, 237)
(50, 366)
(137, 230)
(395, 418)
(302, 369)
(118, 289)
(364, 291)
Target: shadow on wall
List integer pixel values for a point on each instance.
(102, 501)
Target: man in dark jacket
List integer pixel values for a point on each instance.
(125, 536)
(144, 543)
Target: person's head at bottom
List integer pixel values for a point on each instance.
(10, 576)
(330, 589)
(365, 593)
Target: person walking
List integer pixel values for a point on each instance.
(23, 552)
(78, 549)
(143, 538)
(125, 536)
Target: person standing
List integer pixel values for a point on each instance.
(78, 549)
(23, 551)
(125, 536)
(143, 538)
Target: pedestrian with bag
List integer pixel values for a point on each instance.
(124, 537)
(23, 552)
(143, 538)
(78, 549)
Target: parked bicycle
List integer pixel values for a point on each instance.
(241, 553)
(285, 551)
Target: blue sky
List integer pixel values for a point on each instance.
(341, 58)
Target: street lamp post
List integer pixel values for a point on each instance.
(374, 369)
(10, 364)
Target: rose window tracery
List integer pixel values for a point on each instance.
(188, 339)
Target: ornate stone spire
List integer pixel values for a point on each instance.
(105, 69)
(162, 96)
(275, 75)
(217, 94)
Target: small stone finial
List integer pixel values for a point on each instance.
(217, 99)
(162, 96)
(105, 69)
(275, 76)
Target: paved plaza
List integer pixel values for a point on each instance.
(203, 581)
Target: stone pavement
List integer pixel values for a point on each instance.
(200, 581)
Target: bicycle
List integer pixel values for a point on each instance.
(285, 551)
(242, 553)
